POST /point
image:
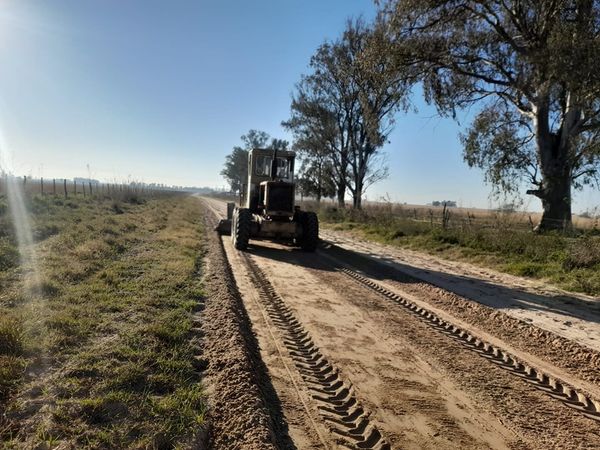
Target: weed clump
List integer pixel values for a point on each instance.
(583, 253)
(44, 231)
(12, 336)
(11, 371)
(9, 254)
(116, 208)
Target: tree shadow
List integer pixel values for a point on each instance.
(485, 292)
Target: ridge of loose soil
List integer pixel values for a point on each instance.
(244, 410)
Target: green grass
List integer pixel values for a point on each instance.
(110, 337)
(571, 262)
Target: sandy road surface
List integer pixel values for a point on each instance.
(417, 387)
(573, 316)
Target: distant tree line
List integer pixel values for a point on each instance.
(447, 203)
(529, 68)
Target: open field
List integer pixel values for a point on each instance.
(98, 353)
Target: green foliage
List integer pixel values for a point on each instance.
(316, 178)
(496, 144)
(236, 168)
(343, 111)
(533, 70)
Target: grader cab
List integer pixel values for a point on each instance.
(267, 208)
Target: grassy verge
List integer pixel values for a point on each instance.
(103, 358)
(571, 262)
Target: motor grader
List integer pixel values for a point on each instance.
(267, 205)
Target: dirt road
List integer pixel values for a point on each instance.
(573, 316)
(363, 355)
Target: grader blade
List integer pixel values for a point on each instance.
(224, 227)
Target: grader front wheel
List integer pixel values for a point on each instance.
(240, 229)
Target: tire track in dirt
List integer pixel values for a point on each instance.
(572, 396)
(338, 404)
(409, 399)
(567, 315)
(543, 422)
(412, 401)
(531, 414)
(558, 356)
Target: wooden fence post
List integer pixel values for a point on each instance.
(90, 183)
(65, 185)
(42, 186)
(75, 187)
(54, 186)
(83, 186)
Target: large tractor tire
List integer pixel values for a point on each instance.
(310, 231)
(240, 230)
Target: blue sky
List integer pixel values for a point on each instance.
(161, 90)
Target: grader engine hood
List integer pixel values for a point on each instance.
(278, 198)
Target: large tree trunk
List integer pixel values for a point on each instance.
(556, 201)
(319, 182)
(342, 183)
(357, 196)
(341, 194)
(556, 169)
(555, 189)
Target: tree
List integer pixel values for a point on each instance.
(279, 144)
(236, 168)
(318, 121)
(533, 66)
(316, 141)
(316, 177)
(345, 107)
(381, 89)
(236, 163)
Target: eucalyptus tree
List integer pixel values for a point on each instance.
(533, 67)
(345, 107)
(318, 133)
(320, 111)
(315, 178)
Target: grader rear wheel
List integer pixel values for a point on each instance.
(310, 231)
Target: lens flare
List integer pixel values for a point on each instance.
(20, 221)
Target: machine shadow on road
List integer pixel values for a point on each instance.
(495, 296)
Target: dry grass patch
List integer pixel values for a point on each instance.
(110, 340)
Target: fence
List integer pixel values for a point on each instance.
(447, 217)
(66, 188)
